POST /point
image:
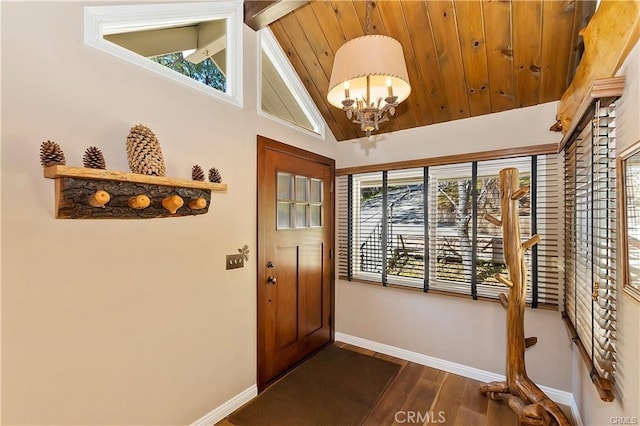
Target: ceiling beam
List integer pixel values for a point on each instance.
(157, 42)
(212, 39)
(259, 14)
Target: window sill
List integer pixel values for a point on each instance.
(545, 306)
(605, 387)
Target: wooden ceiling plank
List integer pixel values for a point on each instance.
(419, 28)
(497, 28)
(426, 57)
(314, 71)
(474, 54)
(417, 103)
(348, 19)
(557, 24)
(333, 32)
(314, 31)
(526, 23)
(443, 26)
(318, 98)
(259, 14)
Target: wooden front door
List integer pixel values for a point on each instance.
(295, 266)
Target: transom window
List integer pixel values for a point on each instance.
(197, 44)
(281, 94)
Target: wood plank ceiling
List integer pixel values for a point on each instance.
(465, 58)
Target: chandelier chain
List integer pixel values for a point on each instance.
(368, 16)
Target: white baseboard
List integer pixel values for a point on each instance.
(219, 413)
(556, 395)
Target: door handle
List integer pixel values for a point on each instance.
(272, 280)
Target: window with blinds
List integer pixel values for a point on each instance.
(590, 242)
(423, 227)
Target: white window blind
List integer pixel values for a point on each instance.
(424, 228)
(590, 242)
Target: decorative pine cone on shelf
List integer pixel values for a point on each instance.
(51, 154)
(197, 173)
(214, 175)
(93, 158)
(144, 152)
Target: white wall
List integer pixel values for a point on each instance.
(627, 403)
(468, 332)
(121, 321)
(509, 129)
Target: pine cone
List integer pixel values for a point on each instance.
(144, 152)
(214, 175)
(51, 154)
(93, 158)
(197, 173)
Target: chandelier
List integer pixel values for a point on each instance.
(372, 68)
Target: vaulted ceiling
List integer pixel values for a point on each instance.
(465, 58)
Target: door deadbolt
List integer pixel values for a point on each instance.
(269, 264)
(271, 280)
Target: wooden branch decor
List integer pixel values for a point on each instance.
(85, 193)
(531, 405)
(608, 38)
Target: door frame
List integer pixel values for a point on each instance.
(266, 144)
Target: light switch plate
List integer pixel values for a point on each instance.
(235, 261)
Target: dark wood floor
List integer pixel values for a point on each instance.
(424, 395)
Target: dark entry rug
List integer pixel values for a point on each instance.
(335, 387)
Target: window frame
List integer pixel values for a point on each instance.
(101, 20)
(268, 43)
(479, 167)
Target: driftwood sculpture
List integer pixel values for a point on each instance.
(608, 38)
(531, 405)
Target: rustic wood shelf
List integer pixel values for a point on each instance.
(83, 193)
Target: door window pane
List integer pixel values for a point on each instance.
(315, 191)
(301, 215)
(316, 216)
(284, 215)
(285, 186)
(301, 188)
